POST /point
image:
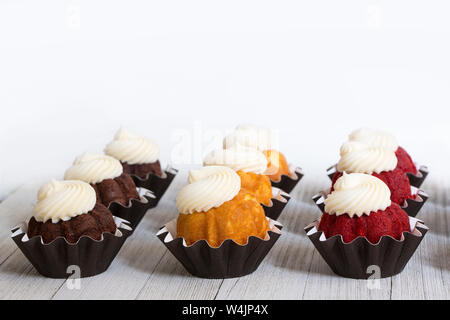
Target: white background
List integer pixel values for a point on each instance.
(72, 72)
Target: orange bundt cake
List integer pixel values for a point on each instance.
(69, 209)
(213, 207)
(106, 176)
(264, 140)
(250, 165)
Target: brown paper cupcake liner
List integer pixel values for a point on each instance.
(230, 260)
(415, 180)
(53, 260)
(136, 209)
(358, 258)
(279, 200)
(288, 183)
(411, 206)
(158, 185)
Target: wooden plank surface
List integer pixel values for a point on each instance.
(144, 269)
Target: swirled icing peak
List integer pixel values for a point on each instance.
(132, 149)
(251, 136)
(362, 158)
(209, 187)
(238, 159)
(356, 194)
(63, 200)
(374, 138)
(94, 168)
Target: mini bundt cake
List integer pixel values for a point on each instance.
(213, 207)
(264, 140)
(377, 138)
(277, 165)
(250, 165)
(106, 176)
(138, 155)
(360, 205)
(69, 209)
(357, 157)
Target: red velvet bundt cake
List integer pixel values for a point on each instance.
(377, 138)
(69, 209)
(405, 163)
(357, 157)
(106, 176)
(360, 205)
(138, 155)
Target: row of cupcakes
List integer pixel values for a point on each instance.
(228, 209)
(367, 221)
(85, 219)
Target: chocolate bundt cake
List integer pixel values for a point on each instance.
(69, 209)
(105, 174)
(138, 155)
(142, 170)
(91, 224)
(120, 189)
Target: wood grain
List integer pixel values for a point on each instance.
(144, 269)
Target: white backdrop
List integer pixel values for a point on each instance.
(72, 72)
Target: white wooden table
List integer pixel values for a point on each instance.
(145, 269)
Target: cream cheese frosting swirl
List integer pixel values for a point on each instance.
(132, 149)
(63, 200)
(374, 138)
(362, 158)
(93, 168)
(356, 194)
(251, 136)
(209, 187)
(244, 159)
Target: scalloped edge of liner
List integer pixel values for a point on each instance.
(169, 169)
(415, 180)
(120, 224)
(289, 181)
(412, 207)
(164, 232)
(419, 224)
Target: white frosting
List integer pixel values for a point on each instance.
(356, 194)
(93, 168)
(209, 187)
(374, 138)
(63, 200)
(362, 158)
(251, 136)
(238, 159)
(132, 149)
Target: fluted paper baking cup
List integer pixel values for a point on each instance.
(157, 184)
(410, 206)
(360, 259)
(415, 180)
(288, 183)
(59, 259)
(136, 208)
(230, 260)
(279, 200)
